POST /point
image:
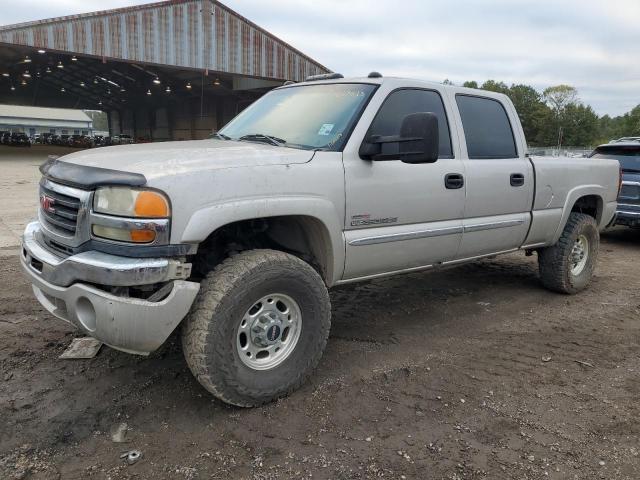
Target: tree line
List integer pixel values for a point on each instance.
(557, 116)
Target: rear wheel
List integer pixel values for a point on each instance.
(258, 327)
(567, 266)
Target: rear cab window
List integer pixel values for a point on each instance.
(487, 128)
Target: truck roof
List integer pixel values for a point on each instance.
(399, 82)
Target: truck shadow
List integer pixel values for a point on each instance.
(384, 310)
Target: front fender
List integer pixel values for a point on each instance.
(210, 218)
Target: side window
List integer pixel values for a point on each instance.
(403, 102)
(486, 128)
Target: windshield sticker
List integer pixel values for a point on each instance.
(325, 129)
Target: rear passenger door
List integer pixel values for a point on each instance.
(499, 178)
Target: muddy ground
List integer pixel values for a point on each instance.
(470, 373)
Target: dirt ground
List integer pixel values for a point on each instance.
(474, 372)
(19, 178)
(470, 373)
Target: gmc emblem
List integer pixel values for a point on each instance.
(47, 204)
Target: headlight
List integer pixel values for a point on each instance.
(143, 215)
(129, 202)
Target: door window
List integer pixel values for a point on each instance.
(400, 104)
(486, 128)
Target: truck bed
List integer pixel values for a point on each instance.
(560, 182)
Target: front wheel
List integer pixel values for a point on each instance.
(257, 328)
(567, 266)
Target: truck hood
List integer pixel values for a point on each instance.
(154, 160)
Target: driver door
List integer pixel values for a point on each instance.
(402, 216)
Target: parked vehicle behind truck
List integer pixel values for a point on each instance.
(20, 139)
(627, 152)
(315, 185)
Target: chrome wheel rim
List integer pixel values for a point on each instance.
(579, 255)
(269, 331)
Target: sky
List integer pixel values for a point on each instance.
(593, 45)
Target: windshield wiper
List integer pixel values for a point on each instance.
(219, 135)
(260, 137)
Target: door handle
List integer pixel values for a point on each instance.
(453, 181)
(517, 179)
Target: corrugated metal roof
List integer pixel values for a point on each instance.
(200, 34)
(40, 113)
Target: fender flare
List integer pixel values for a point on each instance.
(572, 197)
(206, 220)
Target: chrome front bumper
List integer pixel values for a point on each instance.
(129, 324)
(97, 267)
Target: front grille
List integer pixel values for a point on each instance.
(61, 212)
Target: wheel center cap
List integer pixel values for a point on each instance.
(267, 330)
(273, 333)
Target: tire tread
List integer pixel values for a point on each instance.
(200, 349)
(553, 261)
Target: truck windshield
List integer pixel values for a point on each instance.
(308, 117)
(628, 156)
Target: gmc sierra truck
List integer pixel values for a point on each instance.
(316, 184)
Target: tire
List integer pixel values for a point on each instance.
(213, 330)
(559, 269)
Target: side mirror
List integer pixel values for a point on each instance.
(418, 141)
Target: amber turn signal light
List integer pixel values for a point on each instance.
(124, 235)
(151, 205)
(142, 236)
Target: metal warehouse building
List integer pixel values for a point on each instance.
(170, 70)
(38, 120)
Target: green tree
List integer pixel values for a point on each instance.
(605, 129)
(560, 96)
(580, 125)
(629, 123)
(470, 84)
(534, 114)
(493, 86)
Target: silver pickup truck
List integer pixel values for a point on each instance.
(316, 184)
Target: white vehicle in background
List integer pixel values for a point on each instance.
(316, 184)
(626, 139)
(121, 140)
